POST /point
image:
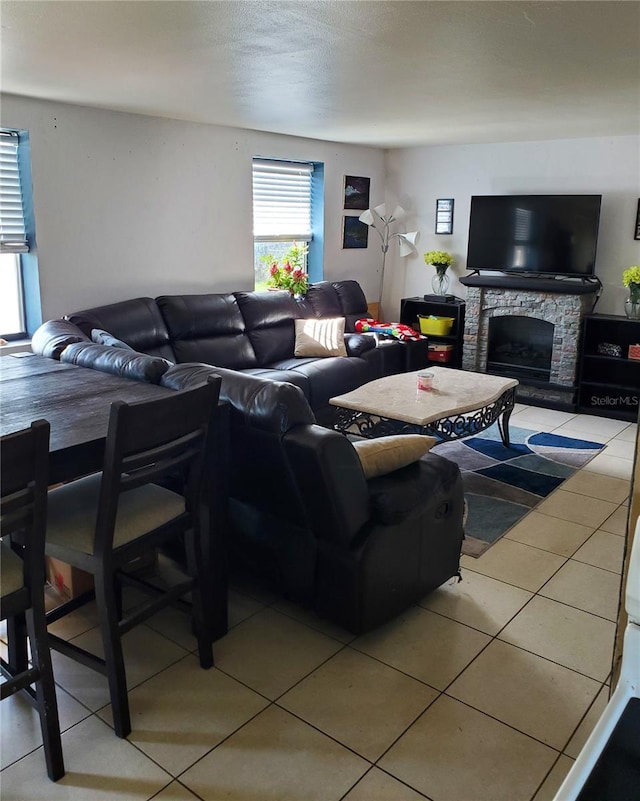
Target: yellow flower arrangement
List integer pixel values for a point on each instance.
(631, 275)
(440, 259)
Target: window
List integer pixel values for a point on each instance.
(13, 238)
(282, 210)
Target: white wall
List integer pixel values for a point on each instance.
(607, 166)
(128, 205)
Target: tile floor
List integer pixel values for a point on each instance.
(486, 690)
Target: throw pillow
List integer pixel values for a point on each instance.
(101, 337)
(386, 454)
(320, 338)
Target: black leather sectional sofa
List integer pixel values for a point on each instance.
(302, 513)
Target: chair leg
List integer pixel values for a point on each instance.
(17, 643)
(201, 601)
(116, 675)
(46, 694)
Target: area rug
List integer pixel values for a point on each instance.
(502, 485)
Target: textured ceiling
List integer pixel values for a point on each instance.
(389, 74)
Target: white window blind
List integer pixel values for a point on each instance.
(13, 238)
(281, 200)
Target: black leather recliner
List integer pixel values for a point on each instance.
(303, 514)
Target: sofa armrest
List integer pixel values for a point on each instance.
(116, 361)
(357, 344)
(53, 337)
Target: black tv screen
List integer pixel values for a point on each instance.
(551, 234)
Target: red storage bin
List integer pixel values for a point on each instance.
(440, 353)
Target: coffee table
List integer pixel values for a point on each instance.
(461, 403)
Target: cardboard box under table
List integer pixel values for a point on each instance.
(439, 352)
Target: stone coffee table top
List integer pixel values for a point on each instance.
(442, 412)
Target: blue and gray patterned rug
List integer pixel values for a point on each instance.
(503, 484)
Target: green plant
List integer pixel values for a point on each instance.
(440, 259)
(289, 273)
(631, 279)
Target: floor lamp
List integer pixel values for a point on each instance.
(378, 219)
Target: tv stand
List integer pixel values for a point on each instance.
(586, 285)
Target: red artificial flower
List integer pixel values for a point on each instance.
(287, 267)
(273, 271)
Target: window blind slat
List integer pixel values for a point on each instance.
(13, 238)
(281, 200)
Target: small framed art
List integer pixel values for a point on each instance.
(356, 192)
(355, 234)
(637, 233)
(444, 215)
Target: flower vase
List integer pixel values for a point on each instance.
(440, 283)
(632, 303)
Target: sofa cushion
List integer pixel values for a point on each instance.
(269, 318)
(207, 328)
(117, 361)
(52, 337)
(328, 377)
(320, 338)
(359, 344)
(137, 322)
(385, 454)
(352, 301)
(101, 337)
(291, 376)
(323, 299)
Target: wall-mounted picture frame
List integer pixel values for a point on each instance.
(444, 215)
(356, 192)
(355, 234)
(637, 233)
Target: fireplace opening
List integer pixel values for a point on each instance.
(520, 347)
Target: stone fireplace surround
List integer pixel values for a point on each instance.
(562, 303)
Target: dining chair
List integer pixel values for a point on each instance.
(24, 469)
(101, 522)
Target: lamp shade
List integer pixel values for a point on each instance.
(407, 242)
(367, 217)
(381, 210)
(398, 213)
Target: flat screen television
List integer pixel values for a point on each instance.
(547, 234)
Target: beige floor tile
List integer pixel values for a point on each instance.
(241, 607)
(565, 635)
(185, 711)
(611, 466)
(553, 781)
(586, 587)
(359, 701)
(602, 550)
(586, 726)
(595, 485)
(454, 752)
(20, 732)
(630, 433)
(623, 449)
(270, 652)
(424, 645)
(532, 694)
(521, 565)
(379, 786)
(307, 617)
(145, 653)
(577, 508)
(568, 430)
(99, 765)
(616, 523)
(477, 601)
(552, 534)
(175, 625)
(75, 623)
(175, 792)
(591, 424)
(278, 754)
(538, 414)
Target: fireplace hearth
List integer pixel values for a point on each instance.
(530, 335)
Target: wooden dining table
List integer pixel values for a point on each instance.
(76, 401)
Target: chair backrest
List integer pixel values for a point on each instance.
(154, 441)
(24, 473)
